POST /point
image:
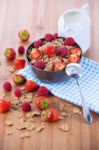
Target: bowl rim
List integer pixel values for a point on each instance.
(42, 39)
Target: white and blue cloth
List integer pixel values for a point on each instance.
(68, 90)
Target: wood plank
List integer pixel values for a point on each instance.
(40, 17)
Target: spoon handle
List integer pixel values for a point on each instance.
(86, 111)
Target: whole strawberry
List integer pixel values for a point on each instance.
(18, 79)
(42, 102)
(4, 105)
(42, 91)
(30, 85)
(50, 115)
(10, 54)
(19, 63)
(7, 86)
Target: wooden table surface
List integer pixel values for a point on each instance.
(40, 17)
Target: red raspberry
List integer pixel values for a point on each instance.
(55, 35)
(37, 43)
(49, 37)
(7, 86)
(62, 51)
(26, 107)
(39, 64)
(42, 91)
(21, 50)
(17, 92)
(69, 41)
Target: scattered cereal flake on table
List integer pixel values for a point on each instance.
(21, 126)
(9, 132)
(11, 69)
(29, 114)
(69, 115)
(64, 114)
(40, 127)
(22, 88)
(31, 126)
(61, 106)
(23, 119)
(61, 117)
(9, 122)
(15, 106)
(29, 95)
(2, 95)
(76, 110)
(64, 127)
(36, 113)
(19, 115)
(25, 135)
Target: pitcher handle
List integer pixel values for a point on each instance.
(85, 8)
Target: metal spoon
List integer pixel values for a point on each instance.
(75, 70)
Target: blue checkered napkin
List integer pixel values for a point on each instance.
(68, 90)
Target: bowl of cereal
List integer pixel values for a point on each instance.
(50, 55)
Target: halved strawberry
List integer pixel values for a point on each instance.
(24, 35)
(42, 102)
(58, 66)
(76, 51)
(73, 58)
(35, 54)
(50, 51)
(4, 105)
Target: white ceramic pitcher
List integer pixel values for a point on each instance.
(76, 23)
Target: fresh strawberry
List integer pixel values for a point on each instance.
(42, 102)
(58, 66)
(76, 51)
(46, 115)
(50, 115)
(35, 54)
(31, 85)
(19, 63)
(4, 105)
(24, 35)
(18, 79)
(10, 54)
(55, 116)
(49, 51)
(73, 58)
